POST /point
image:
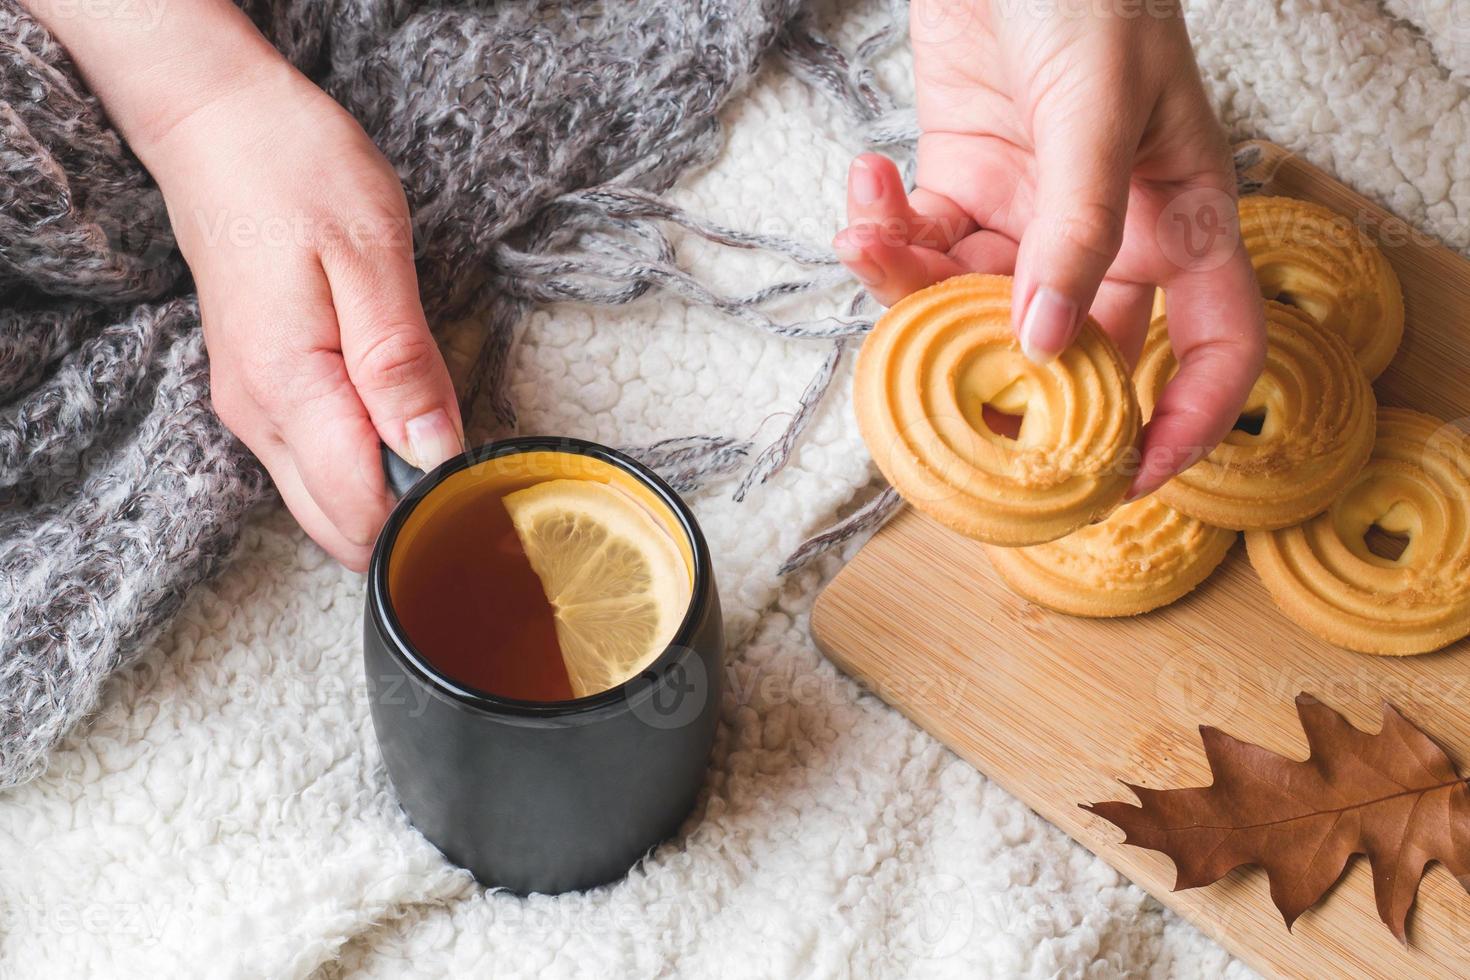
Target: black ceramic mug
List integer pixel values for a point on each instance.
(544, 796)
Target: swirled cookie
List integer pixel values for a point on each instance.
(1329, 576)
(944, 360)
(1143, 556)
(1319, 262)
(1305, 431)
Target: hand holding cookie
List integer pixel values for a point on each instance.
(980, 437)
(1076, 182)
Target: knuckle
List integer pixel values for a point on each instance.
(264, 382)
(360, 532)
(1094, 228)
(399, 357)
(360, 520)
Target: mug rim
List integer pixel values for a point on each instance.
(381, 605)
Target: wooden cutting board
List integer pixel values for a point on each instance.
(1057, 709)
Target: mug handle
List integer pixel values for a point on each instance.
(399, 472)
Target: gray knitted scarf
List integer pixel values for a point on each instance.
(531, 137)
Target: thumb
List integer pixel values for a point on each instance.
(393, 360)
(1083, 167)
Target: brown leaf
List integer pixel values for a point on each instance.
(1394, 796)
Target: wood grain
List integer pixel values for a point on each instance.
(1057, 709)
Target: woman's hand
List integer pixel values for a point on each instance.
(297, 233)
(1075, 149)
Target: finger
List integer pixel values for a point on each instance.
(981, 177)
(1083, 168)
(1217, 329)
(294, 407)
(391, 357)
(1123, 310)
(876, 195)
(282, 468)
(890, 268)
(986, 251)
(334, 446)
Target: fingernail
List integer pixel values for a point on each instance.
(845, 250)
(1046, 330)
(868, 272)
(866, 188)
(432, 439)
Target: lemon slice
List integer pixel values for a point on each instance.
(614, 576)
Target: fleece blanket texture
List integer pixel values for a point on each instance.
(225, 812)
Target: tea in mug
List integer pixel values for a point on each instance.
(540, 576)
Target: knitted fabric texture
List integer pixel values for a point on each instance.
(531, 139)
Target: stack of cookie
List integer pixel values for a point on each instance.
(1034, 460)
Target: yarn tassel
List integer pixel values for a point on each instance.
(867, 518)
(689, 462)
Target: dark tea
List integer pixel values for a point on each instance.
(470, 599)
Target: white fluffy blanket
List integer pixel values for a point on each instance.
(226, 813)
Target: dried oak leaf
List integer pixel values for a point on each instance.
(1394, 796)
